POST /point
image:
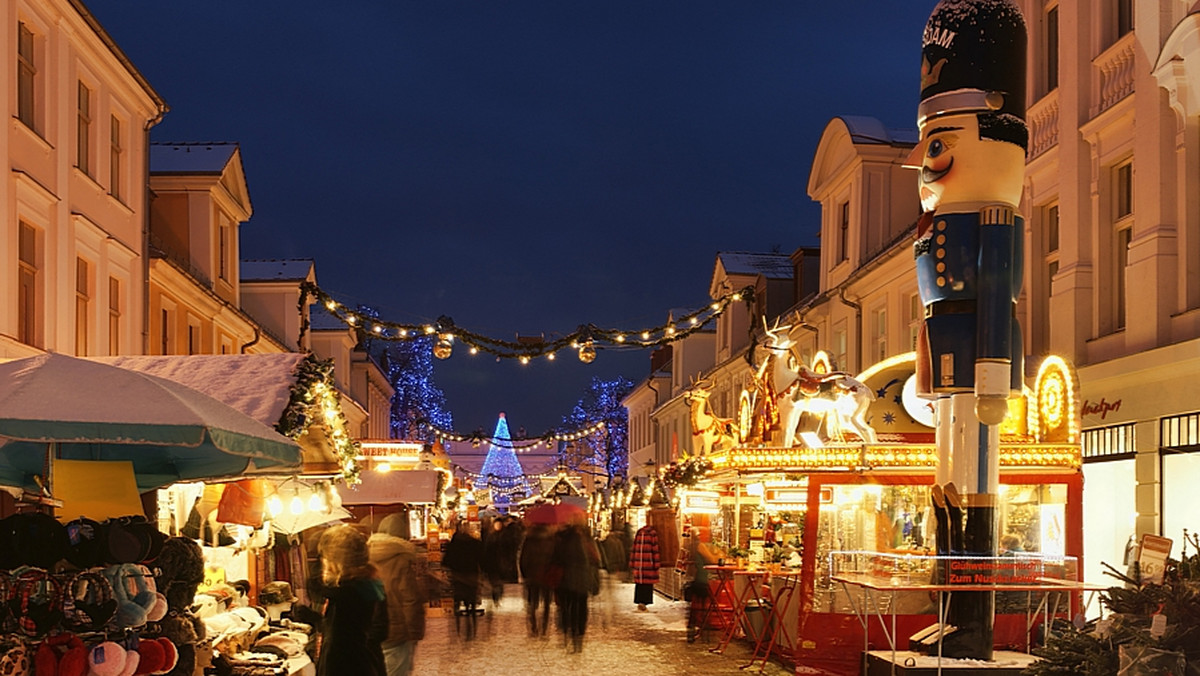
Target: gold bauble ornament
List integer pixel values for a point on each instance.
(443, 347)
(587, 353)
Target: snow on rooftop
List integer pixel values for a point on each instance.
(191, 158)
(770, 265)
(276, 269)
(258, 385)
(320, 319)
(865, 129)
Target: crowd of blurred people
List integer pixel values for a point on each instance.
(371, 590)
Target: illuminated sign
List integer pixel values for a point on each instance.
(702, 502)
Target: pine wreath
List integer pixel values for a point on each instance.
(687, 472)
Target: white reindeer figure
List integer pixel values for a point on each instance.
(801, 390)
(710, 431)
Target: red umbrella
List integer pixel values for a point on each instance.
(552, 514)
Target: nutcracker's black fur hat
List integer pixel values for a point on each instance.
(973, 61)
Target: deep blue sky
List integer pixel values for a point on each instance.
(522, 166)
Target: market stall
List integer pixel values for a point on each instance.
(788, 509)
(99, 586)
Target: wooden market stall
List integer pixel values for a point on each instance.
(790, 511)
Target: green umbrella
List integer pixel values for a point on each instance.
(77, 409)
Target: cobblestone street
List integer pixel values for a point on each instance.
(620, 641)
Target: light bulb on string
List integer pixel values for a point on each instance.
(274, 506)
(297, 506)
(315, 503)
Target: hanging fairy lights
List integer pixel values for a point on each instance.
(585, 340)
(549, 439)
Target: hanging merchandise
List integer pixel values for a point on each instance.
(244, 502)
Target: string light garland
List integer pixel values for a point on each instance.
(314, 399)
(548, 439)
(585, 340)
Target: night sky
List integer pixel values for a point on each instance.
(523, 167)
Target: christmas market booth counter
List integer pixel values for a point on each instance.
(97, 588)
(790, 509)
(261, 530)
(296, 395)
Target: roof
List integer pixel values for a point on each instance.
(276, 270)
(864, 129)
(191, 158)
(769, 265)
(319, 319)
(258, 385)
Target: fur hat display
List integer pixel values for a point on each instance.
(33, 539)
(181, 566)
(87, 545)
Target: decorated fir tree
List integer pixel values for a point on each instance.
(1151, 628)
(501, 469)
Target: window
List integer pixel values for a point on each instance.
(114, 158)
(82, 306)
(193, 337)
(224, 247)
(839, 348)
(83, 129)
(1124, 17)
(26, 77)
(1122, 260)
(28, 326)
(1052, 229)
(843, 247)
(1052, 48)
(1122, 235)
(916, 314)
(879, 339)
(1124, 190)
(1107, 442)
(114, 316)
(166, 333)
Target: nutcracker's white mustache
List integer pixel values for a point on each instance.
(932, 175)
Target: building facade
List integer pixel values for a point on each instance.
(1114, 249)
(74, 195)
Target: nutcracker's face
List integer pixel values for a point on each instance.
(956, 166)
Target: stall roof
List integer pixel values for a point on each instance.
(258, 385)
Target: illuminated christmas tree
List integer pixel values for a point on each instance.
(501, 469)
(606, 451)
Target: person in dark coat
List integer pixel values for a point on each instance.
(576, 555)
(536, 552)
(463, 559)
(356, 615)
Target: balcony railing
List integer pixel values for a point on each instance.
(1043, 124)
(1114, 71)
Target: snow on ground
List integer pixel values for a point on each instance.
(620, 641)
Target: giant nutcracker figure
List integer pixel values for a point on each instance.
(968, 250)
